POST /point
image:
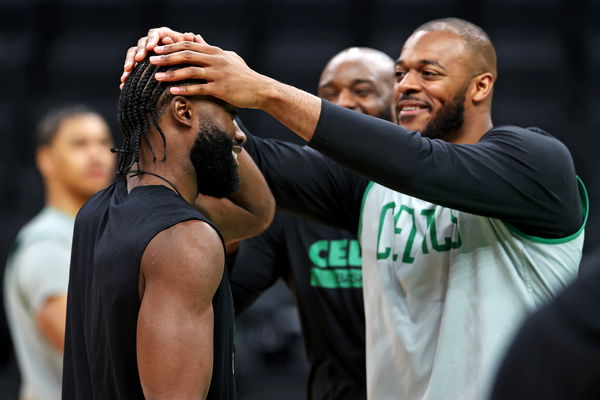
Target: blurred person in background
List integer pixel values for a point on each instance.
(73, 156)
(320, 264)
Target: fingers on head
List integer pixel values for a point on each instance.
(141, 49)
(130, 59)
(182, 74)
(124, 76)
(199, 39)
(192, 90)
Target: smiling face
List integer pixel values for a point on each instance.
(359, 79)
(433, 75)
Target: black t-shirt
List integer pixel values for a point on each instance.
(556, 354)
(111, 233)
(322, 267)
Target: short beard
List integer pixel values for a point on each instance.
(449, 118)
(212, 158)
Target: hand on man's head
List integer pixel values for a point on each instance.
(146, 44)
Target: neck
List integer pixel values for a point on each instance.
(64, 200)
(155, 173)
(472, 130)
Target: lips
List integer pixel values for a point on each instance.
(407, 108)
(97, 172)
(235, 151)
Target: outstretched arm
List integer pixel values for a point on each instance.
(175, 323)
(517, 175)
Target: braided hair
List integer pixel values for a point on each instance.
(142, 100)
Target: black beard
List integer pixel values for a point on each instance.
(212, 158)
(448, 119)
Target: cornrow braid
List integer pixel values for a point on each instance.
(141, 102)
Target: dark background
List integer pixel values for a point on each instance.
(57, 52)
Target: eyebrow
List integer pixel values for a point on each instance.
(357, 81)
(354, 82)
(425, 62)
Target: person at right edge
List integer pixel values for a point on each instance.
(465, 227)
(556, 353)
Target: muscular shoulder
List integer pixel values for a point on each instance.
(188, 257)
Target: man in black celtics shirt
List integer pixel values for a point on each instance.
(321, 264)
(147, 317)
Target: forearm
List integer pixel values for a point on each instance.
(245, 213)
(51, 320)
(253, 195)
(294, 108)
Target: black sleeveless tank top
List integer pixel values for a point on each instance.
(111, 232)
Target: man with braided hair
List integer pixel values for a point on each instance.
(147, 317)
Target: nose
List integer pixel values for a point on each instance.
(239, 137)
(346, 99)
(99, 155)
(96, 151)
(408, 84)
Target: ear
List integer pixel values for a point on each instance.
(44, 161)
(482, 87)
(182, 110)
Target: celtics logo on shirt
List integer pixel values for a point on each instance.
(335, 264)
(414, 227)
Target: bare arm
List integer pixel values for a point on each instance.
(51, 320)
(175, 323)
